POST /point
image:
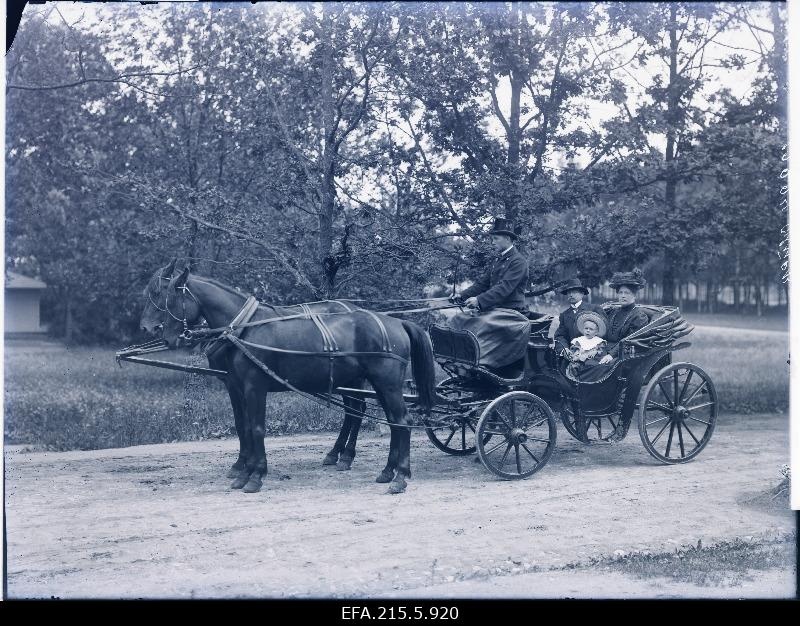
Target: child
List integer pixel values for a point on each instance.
(589, 348)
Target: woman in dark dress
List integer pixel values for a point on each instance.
(622, 321)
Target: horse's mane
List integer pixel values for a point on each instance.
(221, 285)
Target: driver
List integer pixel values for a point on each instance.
(496, 303)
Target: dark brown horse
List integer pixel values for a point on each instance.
(177, 302)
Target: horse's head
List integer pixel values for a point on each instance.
(171, 308)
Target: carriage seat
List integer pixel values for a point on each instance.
(458, 352)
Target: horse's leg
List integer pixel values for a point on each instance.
(255, 400)
(400, 441)
(355, 408)
(391, 398)
(333, 456)
(237, 403)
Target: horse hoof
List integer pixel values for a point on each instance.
(253, 485)
(330, 459)
(343, 465)
(240, 481)
(397, 486)
(384, 477)
(234, 471)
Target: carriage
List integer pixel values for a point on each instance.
(509, 418)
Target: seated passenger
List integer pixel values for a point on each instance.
(568, 328)
(589, 348)
(626, 319)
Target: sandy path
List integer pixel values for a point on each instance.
(160, 521)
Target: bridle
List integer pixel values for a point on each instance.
(166, 310)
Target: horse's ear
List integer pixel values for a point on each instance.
(180, 281)
(170, 268)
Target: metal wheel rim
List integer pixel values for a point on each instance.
(660, 414)
(505, 436)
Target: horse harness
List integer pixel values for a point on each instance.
(232, 335)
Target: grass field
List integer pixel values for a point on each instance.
(64, 398)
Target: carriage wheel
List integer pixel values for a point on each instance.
(677, 413)
(523, 435)
(595, 429)
(457, 437)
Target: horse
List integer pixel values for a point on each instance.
(373, 348)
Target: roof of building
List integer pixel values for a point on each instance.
(18, 281)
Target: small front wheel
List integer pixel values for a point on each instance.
(516, 435)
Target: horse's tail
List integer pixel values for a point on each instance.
(422, 365)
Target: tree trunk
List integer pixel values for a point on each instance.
(511, 199)
(711, 296)
(669, 156)
(325, 241)
(759, 304)
(69, 322)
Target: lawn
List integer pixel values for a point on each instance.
(78, 398)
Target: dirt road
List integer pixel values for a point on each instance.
(160, 521)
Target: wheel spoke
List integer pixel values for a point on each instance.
(685, 386)
(502, 418)
(539, 439)
(513, 412)
(519, 465)
(531, 453)
(488, 452)
(471, 427)
(696, 391)
(505, 456)
(656, 405)
(699, 420)
(691, 433)
(529, 412)
(493, 432)
(463, 436)
(666, 395)
(612, 423)
(680, 439)
(452, 434)
(675, 396)
(661, 432)
(669, 440)
(655, 421)
(700, 406)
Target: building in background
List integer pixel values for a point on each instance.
(21, 306)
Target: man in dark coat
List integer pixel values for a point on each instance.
(503, 286)
(496, 304)
(567, 327)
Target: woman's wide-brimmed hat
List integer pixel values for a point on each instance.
(502, 226)
(573, 283)
(635, 280)
(595, 317)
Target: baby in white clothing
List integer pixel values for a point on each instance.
(589, 348)
(589, 344)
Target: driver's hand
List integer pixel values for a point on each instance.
(606, 359)
(472, 302)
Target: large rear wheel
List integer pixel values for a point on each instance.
(677, 413)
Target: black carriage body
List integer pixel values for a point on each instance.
(585, 408)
